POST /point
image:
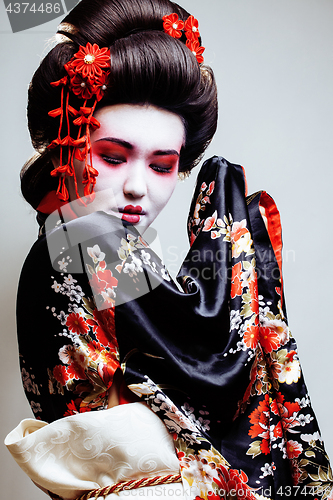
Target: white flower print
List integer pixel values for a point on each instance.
(62, 264)
(235, 319)
(67, 354)
(145, 256)
(56, 287)
(304, 402)
(311, 438)
(290, 372)
(96, 254)
(69, 280)
(267, 470)
(304, 419)
(62, 317)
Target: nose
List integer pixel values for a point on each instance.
(135, 185)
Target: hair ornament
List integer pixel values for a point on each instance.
(192, 28)
(88, 78)
(196, 49)
(175, 27)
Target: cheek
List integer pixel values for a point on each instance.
(163, 189)
(107, 178)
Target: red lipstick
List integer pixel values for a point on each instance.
(131, 214)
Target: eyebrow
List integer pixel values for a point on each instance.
(125, 144)
(129, 146)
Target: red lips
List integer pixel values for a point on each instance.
(132, 210)
(131, 214)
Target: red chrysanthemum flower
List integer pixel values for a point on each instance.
(90, 60)
(192, 28)
(196, 50)
(269, 339)
(76, 371)
(173, 26)
(294, 449)
(251, 337)
(77, 324)
(60, 374)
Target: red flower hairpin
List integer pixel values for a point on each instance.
(196, 49)
(88, 78)
(174, 27)
(192, 28)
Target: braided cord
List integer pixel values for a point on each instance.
(130, 485)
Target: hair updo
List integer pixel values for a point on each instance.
(148, 66)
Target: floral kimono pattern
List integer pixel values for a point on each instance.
(216, 361)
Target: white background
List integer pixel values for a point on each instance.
(273, 60)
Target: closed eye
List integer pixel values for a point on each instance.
(164, 169)
(111, 160)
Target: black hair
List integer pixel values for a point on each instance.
(148, 66)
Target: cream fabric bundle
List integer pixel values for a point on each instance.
(91, 450)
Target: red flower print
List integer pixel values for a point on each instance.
(196, 50)
(294, 449)
(238, 230)
(172, 25)
(295, 472)
(89, 60)
(211, 188)
(192, 28)
(93, 350)
(290, 356)
(259, 419)
(236, 284)
(269, 339)
(203, 186)
(77, 324)
(253, 289)
(60, 374)
(97, 285)
(265, 446)
(278, 432)
(71, 409)
(107, 276)
(107, 371)
(103, 326)
(76, 371)
(233, 480)
(210, 222)
(251, 337)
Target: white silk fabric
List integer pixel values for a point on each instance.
(95, 449)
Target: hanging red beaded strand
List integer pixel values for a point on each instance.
(87, 78)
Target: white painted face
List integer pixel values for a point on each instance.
(136, 152)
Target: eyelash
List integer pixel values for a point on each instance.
(112, 161)
(116, 161)
(164, 170)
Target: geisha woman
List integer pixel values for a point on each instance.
(190, 388)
